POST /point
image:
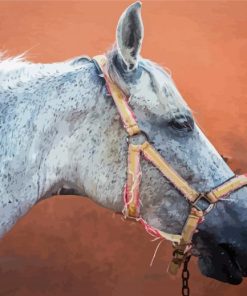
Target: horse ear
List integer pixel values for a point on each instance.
(130, 34)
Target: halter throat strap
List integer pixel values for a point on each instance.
(143, 148)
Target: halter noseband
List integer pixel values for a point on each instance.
(138, 145)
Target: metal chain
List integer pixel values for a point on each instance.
(185, 277)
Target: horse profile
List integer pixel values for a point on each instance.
(60, 132)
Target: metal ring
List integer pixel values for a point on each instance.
(203, 196)
(139, 136)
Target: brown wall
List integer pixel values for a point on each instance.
(70, 246)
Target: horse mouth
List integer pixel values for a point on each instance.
(221, 265)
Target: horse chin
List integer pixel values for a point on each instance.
(222, 266)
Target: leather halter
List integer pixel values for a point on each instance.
(181, 242)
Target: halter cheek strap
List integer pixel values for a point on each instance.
(132, 203)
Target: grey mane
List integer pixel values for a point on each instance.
(15, 71)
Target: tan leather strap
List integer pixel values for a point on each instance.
(175, 238)
(131, 193)
(120, 99)
(159, 162)
(226, 188)
(182, 247)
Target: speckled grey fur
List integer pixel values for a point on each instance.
(59, 128)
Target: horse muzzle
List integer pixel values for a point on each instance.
(221, 242)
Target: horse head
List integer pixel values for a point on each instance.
(170, 125)
(61, 130)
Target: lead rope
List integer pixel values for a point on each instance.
(185, 277)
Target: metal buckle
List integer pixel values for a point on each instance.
(178, 255)
(202, 198)
(138, 139)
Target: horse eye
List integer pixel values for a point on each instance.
(182, 123)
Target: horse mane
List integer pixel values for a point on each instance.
(11, 63)
(15, 71)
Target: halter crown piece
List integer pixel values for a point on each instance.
(182, 243)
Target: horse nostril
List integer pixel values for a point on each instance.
(229, 249)
(231, 252)
(235, 257)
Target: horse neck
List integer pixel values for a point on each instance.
(53, 119)
(66, 116)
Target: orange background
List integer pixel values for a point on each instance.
(70, 246)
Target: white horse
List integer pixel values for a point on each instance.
(60, 132)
